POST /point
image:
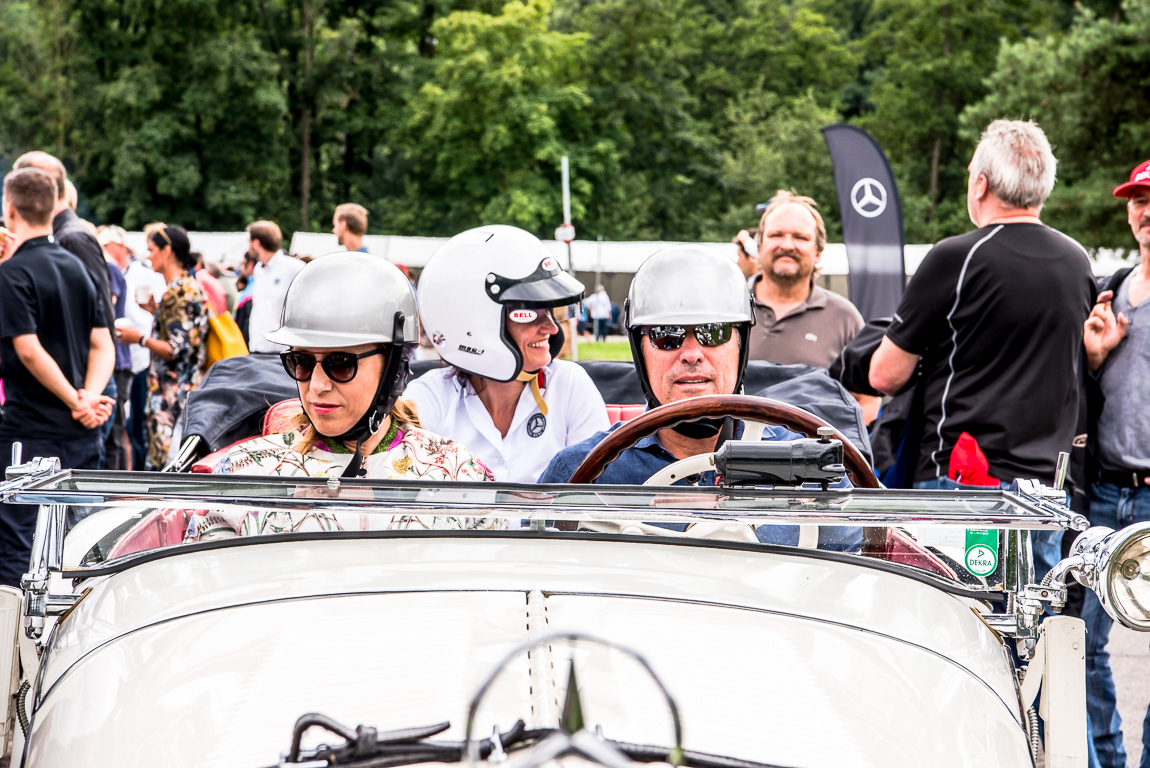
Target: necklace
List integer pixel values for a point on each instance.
(384, 445)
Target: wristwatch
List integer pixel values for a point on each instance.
(143, 342)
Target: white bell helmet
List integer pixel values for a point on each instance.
(469, 283)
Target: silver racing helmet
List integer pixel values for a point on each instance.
(348, 299)
(687, 285)
(472, 280)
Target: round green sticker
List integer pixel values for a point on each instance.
(981, 560)
(981, 551)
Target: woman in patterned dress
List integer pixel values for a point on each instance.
(176, 343)
(351, 325)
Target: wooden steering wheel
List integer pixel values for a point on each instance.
(752, 409)
(755, 409)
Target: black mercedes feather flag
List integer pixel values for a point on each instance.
(871, 217)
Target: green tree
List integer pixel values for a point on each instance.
(931, 59)
(36, 85)
(181, 116)
(486, 132)
(1089, 89)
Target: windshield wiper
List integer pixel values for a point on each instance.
(366, 747)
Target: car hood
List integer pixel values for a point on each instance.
(775, 658)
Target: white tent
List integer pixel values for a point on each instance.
(228, 248)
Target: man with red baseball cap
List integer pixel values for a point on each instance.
(1117, 339)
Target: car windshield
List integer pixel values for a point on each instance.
(111, 520)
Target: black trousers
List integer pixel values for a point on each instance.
(18, 521)
(115, 447)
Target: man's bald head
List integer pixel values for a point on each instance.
(47, 163)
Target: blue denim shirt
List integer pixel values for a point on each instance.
(642, 460)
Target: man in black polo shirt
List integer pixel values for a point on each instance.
(55, 350)
(76, 236)
(996, 316)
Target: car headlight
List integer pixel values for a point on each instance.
(1116, 565)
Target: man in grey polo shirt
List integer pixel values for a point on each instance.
(796, 321)
(1118, 448)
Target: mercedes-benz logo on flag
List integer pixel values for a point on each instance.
(868, 197)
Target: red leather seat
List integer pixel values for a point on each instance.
(901, 548)
(617, 413)
(279, 418)
(162, 528)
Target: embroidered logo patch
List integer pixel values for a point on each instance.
(536, 425)
(811, 337)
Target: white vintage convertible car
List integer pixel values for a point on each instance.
(403, 623)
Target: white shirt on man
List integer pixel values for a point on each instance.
(448, 406)
(268, 294)
(599, 305)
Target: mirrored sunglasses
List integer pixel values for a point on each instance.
(340, 367)
(671, 337)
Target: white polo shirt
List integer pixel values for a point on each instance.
(449, 407)
(270, 286)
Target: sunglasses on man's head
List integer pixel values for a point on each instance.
(340, 367)
(671, 337)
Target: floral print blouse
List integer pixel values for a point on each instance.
(412, 455)
(181, 321)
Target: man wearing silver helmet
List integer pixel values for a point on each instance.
(688, 316)
(487, 299)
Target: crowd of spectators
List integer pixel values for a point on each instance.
(100, 346)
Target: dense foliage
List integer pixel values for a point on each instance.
(678, 115)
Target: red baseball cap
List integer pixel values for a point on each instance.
(1139, 177)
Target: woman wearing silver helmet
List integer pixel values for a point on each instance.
(350, 324)
(486, 299)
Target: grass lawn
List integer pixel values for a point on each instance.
(608, 350)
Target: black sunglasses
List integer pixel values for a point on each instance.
(340, 367)
(671, 337)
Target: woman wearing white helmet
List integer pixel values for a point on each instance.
(486, 300)
(350, 322)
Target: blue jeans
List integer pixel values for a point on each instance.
(600, 329)
(1115, 508)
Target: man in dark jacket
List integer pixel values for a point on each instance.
(1118, 446)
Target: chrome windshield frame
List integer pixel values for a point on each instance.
(1016, 509)
(1015, 513)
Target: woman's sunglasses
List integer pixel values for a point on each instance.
(340, 367)
(671, 337)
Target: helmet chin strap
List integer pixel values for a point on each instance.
(534, 379)
(368, 424)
